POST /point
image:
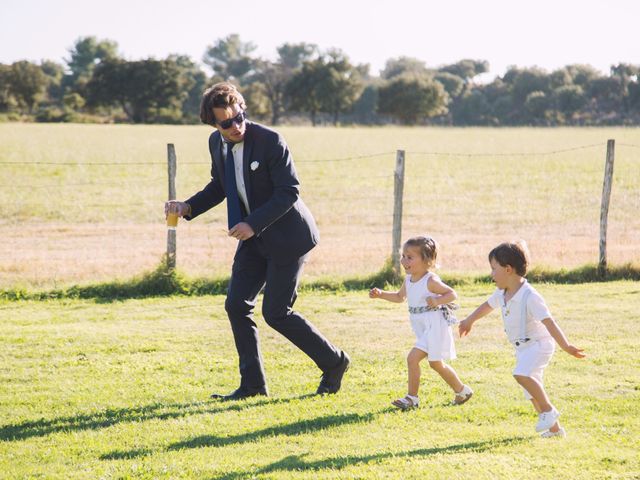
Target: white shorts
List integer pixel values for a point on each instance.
(533, 358)
(433, 336)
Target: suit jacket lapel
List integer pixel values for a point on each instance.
(218, 158)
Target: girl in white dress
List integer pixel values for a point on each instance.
(430, 312)
(529, 327)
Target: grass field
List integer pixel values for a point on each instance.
(120, 390)
(470, 188)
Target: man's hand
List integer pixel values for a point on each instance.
(241, 231)
(179, 208)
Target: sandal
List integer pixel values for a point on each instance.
(405, 403)
(462, 396)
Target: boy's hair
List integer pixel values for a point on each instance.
(514, 254)
(220, 95)
(428, 248)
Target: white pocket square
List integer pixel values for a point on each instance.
(254, 166)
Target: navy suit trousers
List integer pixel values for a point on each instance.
(253, 270)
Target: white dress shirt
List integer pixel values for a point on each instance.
(238, 150)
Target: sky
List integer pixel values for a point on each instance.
(545, 33)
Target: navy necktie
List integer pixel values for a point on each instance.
(234, 214)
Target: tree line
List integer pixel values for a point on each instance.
(95, 84)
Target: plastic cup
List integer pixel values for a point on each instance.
(172, 221)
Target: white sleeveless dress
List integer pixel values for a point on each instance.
(433, 333)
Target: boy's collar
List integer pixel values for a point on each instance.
(516, 296)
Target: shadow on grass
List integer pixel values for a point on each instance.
(290, 429)
(296, 463)
(114, 416)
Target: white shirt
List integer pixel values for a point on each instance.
(418, 292)
(238, 150)
(537, 311)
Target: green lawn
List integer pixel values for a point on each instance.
(120, 390)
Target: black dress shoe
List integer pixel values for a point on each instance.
(332, 378)
(242, 392)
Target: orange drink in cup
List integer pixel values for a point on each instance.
(172, 220)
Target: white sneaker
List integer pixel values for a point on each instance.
(406, 403)
(547, 419)
(462, 396)
(549, 434)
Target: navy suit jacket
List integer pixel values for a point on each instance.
(278, 215)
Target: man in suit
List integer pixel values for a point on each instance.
(252, 168)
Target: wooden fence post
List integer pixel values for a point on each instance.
(604, 208)
(171, 233)
(398, 188)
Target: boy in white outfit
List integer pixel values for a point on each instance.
(529, 327)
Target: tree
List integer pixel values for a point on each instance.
(411, 97)
(303, 89)
(192, 81)
(498, 95)
(505, 110)
(403, 65)
(581, 75)
(536, 106)
(27, 83)
(268, 83)
(625, 72)
(525, 81)
(5, 88)
(108, 85)
(453, 84)
(258, 103)
(340, 84)
(472, 108)
(73, 101)
(634, 96)
(607, 93)
(328, 84)
(365, 106)
(570, 98)
(147, 90)
(230, 57)
(560, 78)
(55, 74)
(466, 69)
(85, 55)
(293, 55)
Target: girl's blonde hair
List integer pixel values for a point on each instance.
(427, 246)
(514, 254)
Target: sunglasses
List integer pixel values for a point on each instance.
(238, 119)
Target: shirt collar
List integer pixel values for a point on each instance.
(231, 145)
(518, 296)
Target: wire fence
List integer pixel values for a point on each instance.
(66, 227)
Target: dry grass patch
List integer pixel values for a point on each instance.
(470, 188)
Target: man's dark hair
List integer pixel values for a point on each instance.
(220, 95)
